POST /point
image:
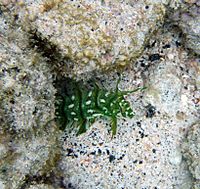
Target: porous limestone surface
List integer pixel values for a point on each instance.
(93, 35)
(28, 143)
(191, 150)
(99, 35)
(146, 152)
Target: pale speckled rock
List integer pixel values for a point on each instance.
(142, 155)
(191, 150)
(93, 35)
(26, 81)
(28, 144)
(31, 156)
(165, 88)
(146, 150)
(176, 157)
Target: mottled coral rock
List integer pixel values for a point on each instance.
(93, 35)
(99, 34)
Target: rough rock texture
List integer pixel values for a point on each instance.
(33, 154)
(41, 186)
(146, 152)
(26, 79)
(28, 144)
(187, 17)
(191, 150)
(93, 35)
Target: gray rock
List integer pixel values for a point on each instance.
(196, 185)
(187, 17)
(41, 186)
(191, 150)
(28, 141)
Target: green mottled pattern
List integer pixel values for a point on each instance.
(83, 106)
